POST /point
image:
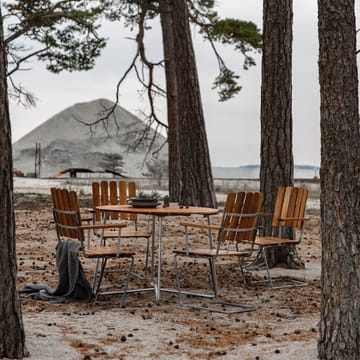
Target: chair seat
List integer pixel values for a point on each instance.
(211, 252)
(273, 241)
(108, 251)
(126, 233)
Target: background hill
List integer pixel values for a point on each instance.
(66, 141)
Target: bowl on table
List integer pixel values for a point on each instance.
(144, 202)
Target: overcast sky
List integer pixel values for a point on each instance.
(233, 127)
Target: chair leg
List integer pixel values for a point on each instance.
(294, 282)
(230, 308)
(213, 276)
(103, 265)
(194, 293)
(242, 272)
(267, 266)
(255, 263)
(146, 260)
(95, 274)
(126, 285)
(177, 277)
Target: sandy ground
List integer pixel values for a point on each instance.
(284, 325)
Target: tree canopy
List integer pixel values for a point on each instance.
(63, 34)
(243, 35)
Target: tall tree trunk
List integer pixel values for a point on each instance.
(197, 186)
(277, 163)
(171, 91)
(340, 181)
(12, 337)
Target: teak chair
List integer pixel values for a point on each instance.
(69, 225)
(289, 212)
(118, 193)
(235, 239)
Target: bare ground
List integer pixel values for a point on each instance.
(284, 325)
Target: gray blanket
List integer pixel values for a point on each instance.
(72, 283)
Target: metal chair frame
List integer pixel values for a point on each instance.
(289, 212)
(118, 193)
(238, 227)
(69, 225)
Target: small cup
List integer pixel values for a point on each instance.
(166, 201)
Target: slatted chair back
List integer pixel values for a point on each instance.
(236, 239)
(68, 224)
(290, 203)
(247, 204)
(66, 214)
(113, 193)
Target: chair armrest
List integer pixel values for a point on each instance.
(102, 226)
(199, 226)
(294, 218)
(208, 227)
(86, 219)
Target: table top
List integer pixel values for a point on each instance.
(160, 210)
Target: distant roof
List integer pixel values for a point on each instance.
(74, 171)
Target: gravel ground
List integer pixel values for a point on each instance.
(284, 325)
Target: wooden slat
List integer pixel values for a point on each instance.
(278, 206)
(76, 219)
(68, 205)
(62, 205)
(229, 204)
(56, 203)
(123, 197)
(289, 206)
(104, 195)
(241, 203)
(236, 208)
(113, 193)
(95, 252)
(252, 205)
(290, 203)
(62, 202)
(113, 198)
(95, 186)
(303, 195)
(131, 192)
(122, 192)
(285, 205)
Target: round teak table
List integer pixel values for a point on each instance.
(159, 212)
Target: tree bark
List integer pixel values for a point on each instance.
(277, 163)
(166, 15)
(196, 181)
(340, 181)
(12, 337)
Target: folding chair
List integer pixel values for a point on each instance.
(118, 193)
(69, 225)
(289, 212)
(235, 239)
